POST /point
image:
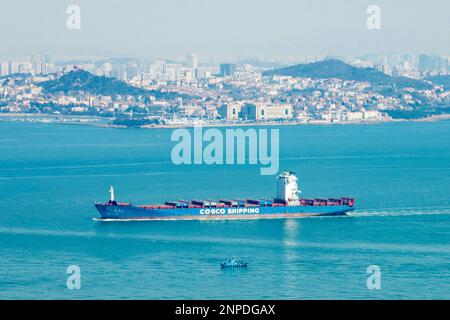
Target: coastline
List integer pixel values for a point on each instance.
(104, 121)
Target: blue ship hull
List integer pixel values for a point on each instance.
(109, 211)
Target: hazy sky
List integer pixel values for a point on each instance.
(225, 29)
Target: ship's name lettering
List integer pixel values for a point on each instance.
(230, 211)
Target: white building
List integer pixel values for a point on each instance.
(193, 61)
(4, 69)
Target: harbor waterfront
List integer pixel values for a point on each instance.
(52, 174)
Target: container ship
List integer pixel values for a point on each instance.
(286, 204)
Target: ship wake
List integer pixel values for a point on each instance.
(399, 212)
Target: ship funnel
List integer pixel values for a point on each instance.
(111, 191)
(287, 188)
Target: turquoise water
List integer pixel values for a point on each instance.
(50, 176)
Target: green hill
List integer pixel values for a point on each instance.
(334, 68)
(440, 80)
(80, 81)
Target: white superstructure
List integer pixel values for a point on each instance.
(287, 189)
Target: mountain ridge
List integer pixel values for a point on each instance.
(78, 81)
(333, 68)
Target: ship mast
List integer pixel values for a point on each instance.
(111, 191)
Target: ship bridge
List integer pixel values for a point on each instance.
(287, 188)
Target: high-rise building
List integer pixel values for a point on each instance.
(227, 69)
(47, 68)
(13, 67)
(383, 68)
(193, 61)
(131, 71)
(430, 62)
(106, 69)
(193, 64)
(4, 69)
(49, 59)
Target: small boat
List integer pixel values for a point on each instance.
(233, 263)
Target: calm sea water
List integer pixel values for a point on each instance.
(50, 176)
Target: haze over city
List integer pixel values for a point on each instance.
(166, 63)
(222, 30)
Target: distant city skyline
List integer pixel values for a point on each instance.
(222, 30)
(412, 66)
(194, 60)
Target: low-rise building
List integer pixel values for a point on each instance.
(230, 111)
(263, 111)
